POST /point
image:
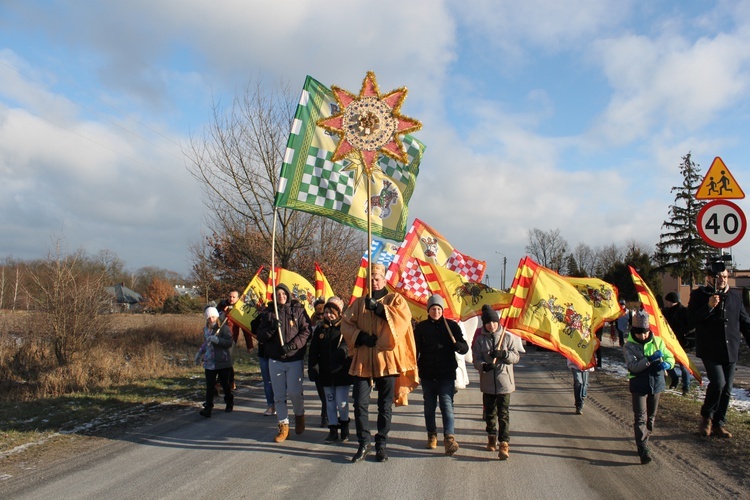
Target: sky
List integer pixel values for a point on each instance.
(548, 114)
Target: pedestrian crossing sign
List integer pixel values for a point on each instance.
(719, 183)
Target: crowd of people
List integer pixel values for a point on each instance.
(374, 345)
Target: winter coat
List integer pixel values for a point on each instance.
(499, 380)
(295, 328)
(717, 331)
(216, 356)
(436, 358)
(645, 377)
(679, 322)
(394, 353)
(328, 362)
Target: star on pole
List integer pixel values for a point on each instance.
(369, 124)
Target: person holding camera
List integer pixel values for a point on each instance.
(719, 317)
(646, 358)
(379, 336)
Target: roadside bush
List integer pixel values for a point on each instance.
(182, 304)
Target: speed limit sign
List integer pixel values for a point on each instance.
(721, 223)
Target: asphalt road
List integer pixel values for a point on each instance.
(554, 454)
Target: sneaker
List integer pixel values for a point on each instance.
(271, 410)
(645, 456)
(579, 410)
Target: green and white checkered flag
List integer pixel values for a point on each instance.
(311, 182)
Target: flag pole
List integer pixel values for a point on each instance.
(273, 277)
(370, 316)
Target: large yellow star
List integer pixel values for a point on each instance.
(369, 124)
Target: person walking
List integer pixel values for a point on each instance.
(437, 341)
(580, 385)
(379, 335)
(286, 352)
(495, 352)
(217, 361)
(677, 317)
(719, 318)
(646, 358)
(328, 366)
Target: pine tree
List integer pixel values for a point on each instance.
(681, 249)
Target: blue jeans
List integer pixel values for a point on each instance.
(266, 374)
(286, 378)
(337, 403)
(580, 385)
(719, 391)
(442, 390)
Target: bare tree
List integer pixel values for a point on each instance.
(548, 248)
(238, 160)
(586, 259)
(71, 303)
(608, 257)
(16, 286)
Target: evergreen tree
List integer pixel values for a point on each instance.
(681, 250)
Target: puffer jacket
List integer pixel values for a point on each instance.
(295, 328)
(645, 377)
(501, 379)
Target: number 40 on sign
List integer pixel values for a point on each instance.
(721, 223)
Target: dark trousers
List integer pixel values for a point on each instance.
(386, 387)
(719, 391)
(644, 413)
(497, 415)
(223, 376)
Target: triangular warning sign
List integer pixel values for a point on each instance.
(719, 183)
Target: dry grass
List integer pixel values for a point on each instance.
(139, 347)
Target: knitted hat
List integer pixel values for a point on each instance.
(211, 312)
(336, 303)
(672, 297)
(489, 314)
(640, 321)
(435, 300)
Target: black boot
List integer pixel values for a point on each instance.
(229, 400)
(324, 418)
(205, 412)
(333, 434)
(363, 450)
(380, 454)
(344, 424)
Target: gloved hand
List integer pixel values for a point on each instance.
(500, 354)
(274, 324)
(370, 304)
(656, 355)
(312, 373)
(289, 347)
(214, 339)
(366, 339)
(665, 365)
(486, 367)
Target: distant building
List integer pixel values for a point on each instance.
(124, 299)
(191, 291)
(738, 278)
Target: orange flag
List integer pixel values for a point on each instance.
(322, 287)
(659, 325)
(549, 311)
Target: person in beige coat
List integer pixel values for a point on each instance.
(379, 336)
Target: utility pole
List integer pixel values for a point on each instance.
(505, 262)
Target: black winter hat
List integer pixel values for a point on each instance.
(489, 314)
(672, 297)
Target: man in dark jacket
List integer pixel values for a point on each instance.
(719, 318)
(285, 340)
(437, 340)
(677, 316)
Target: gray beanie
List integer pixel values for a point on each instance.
(435, 300)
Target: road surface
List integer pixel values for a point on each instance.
(553, 454)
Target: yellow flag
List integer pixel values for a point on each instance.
(300, 288)
(252, 300)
